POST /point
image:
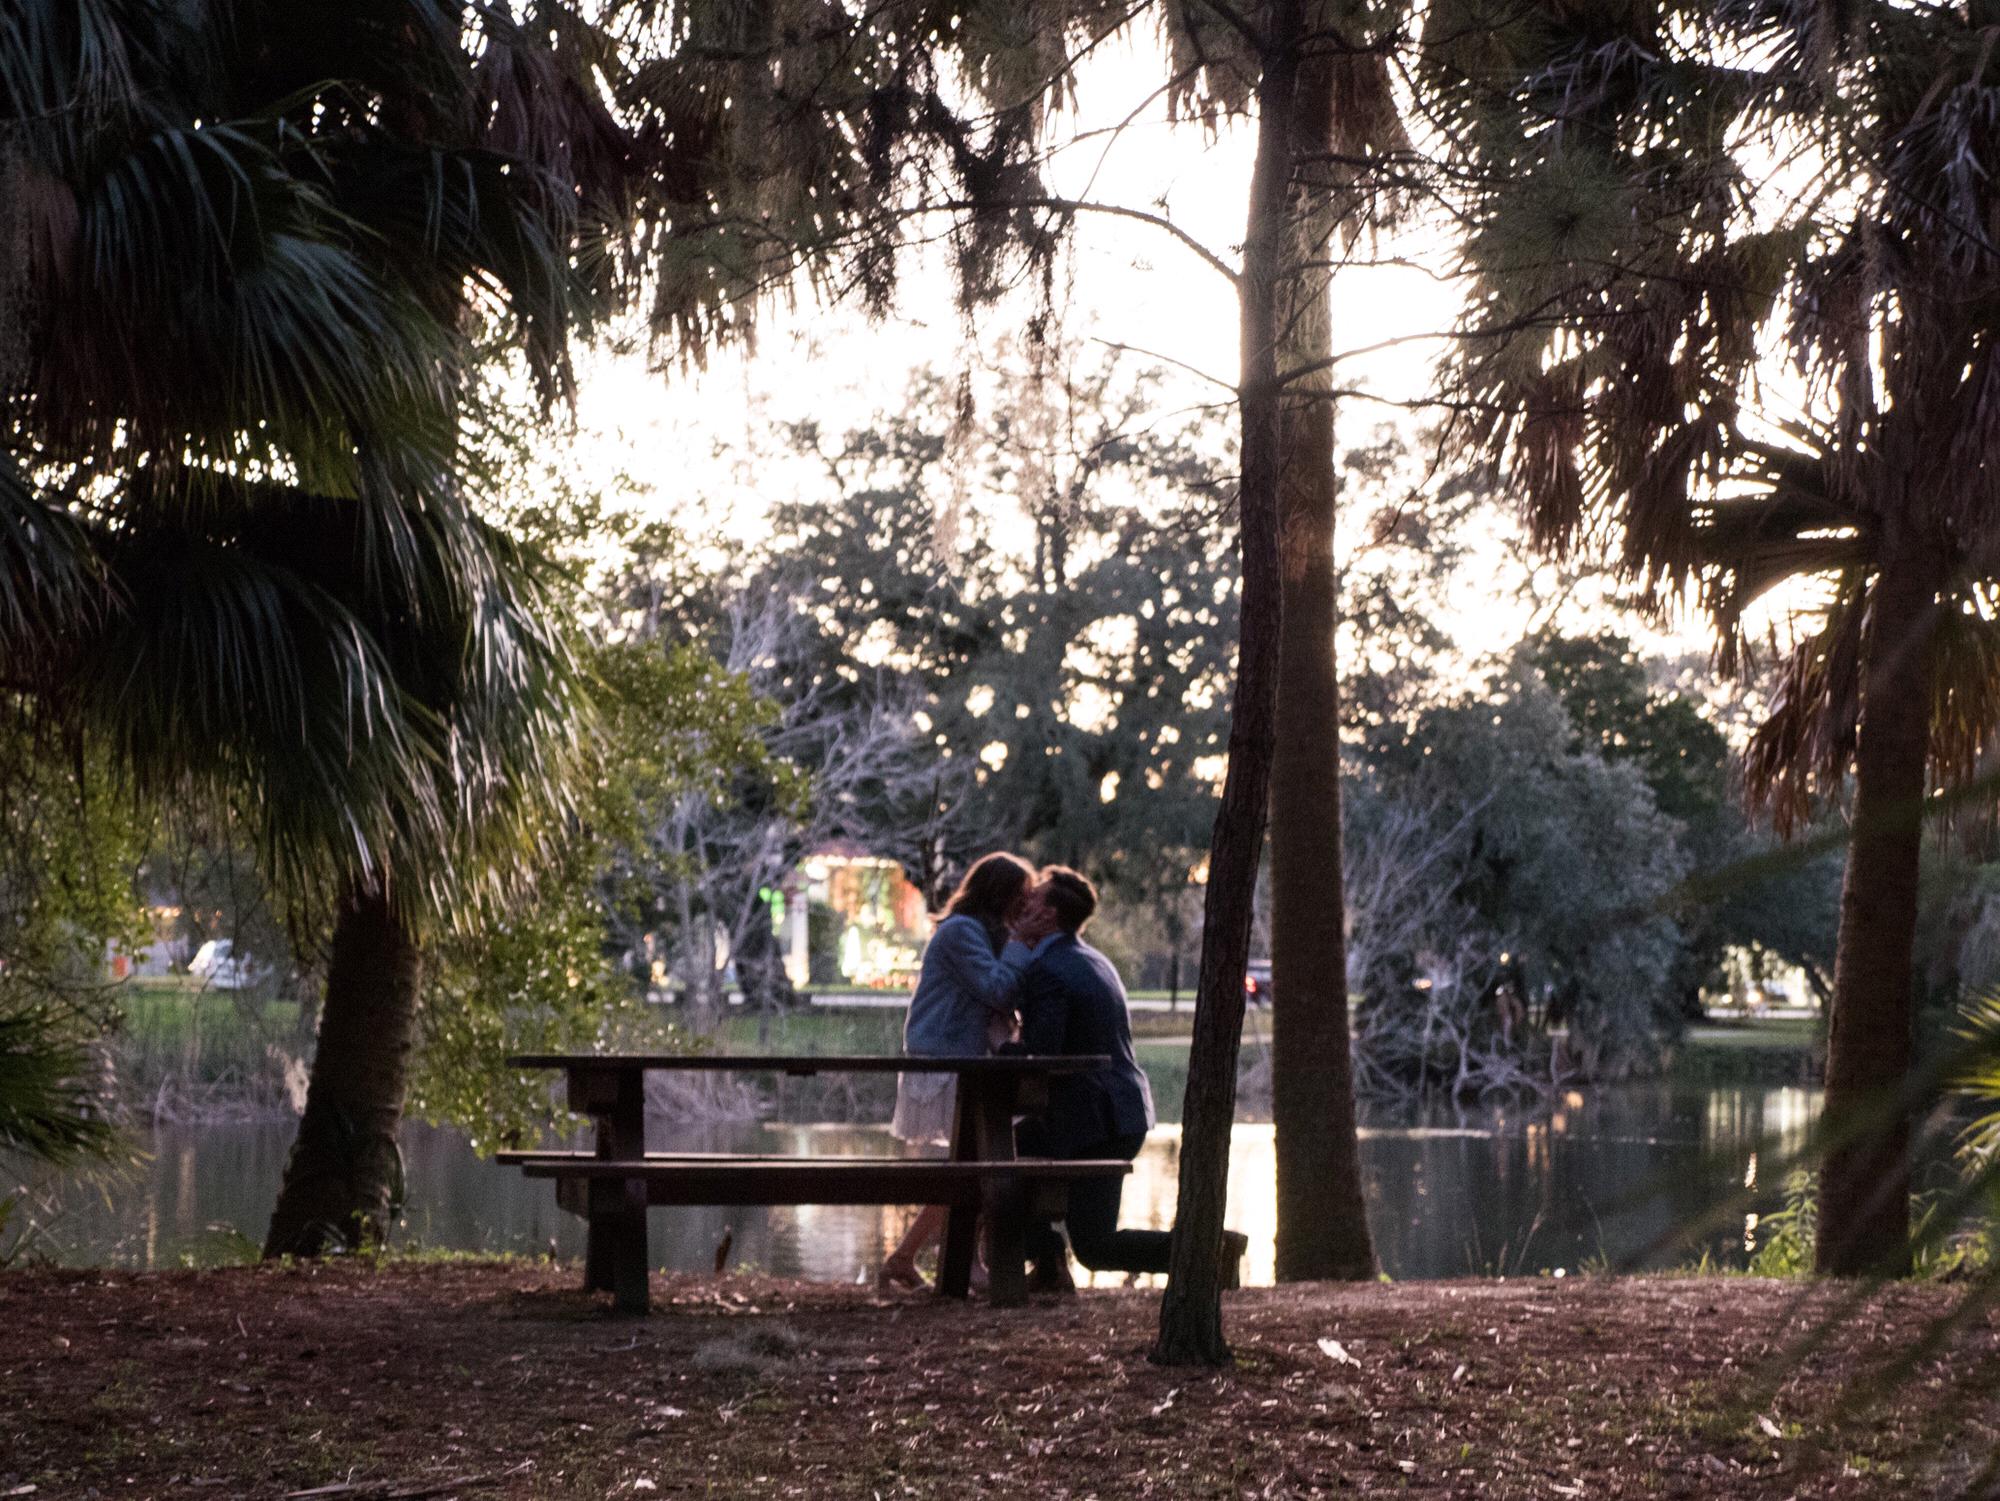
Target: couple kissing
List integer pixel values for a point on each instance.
(1008, 968)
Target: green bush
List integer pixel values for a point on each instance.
(1785, 1236)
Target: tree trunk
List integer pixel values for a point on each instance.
(1322, 1218)
(1864, 1185)
(1191, 1309)
(345, 1171)
(760, 970)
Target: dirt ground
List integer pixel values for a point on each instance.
(486, 1379)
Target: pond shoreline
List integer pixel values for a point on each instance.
(1598, 1179)
(499, 1378)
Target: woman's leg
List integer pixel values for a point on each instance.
(925, 1230)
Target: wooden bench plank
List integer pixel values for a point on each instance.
(585, 1187)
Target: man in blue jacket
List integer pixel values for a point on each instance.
(1072, 1002)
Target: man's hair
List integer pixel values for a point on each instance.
(1070, 897)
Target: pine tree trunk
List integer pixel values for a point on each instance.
(345, 1169)
(1864, 1185)
(1322, 1218)
(1191, 1309)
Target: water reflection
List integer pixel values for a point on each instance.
(1611, 1177)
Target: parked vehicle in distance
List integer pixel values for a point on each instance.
(1257, 983)
(222, 967)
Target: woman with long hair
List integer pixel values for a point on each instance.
(963, 1005)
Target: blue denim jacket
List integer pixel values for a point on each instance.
(963, 984)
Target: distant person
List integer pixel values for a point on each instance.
(1073, 1003)
(963, 1006)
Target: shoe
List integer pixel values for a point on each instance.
(1052, 1277)
(901, 1275)
(981, 1281)
(1234, 1246)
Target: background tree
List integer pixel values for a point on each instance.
(1068, 673)
(743, 91)
(822, 759)
(1554, 866)
(71, 850)
(551, 974)
(1637, 249)
(1331, 81)
(1776, 911)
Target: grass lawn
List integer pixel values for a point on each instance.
(1773, 1032)
(175, 1030)
(814, 1030)
(1762, 1050)
(501, 1380)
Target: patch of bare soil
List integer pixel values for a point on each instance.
(362, 1382)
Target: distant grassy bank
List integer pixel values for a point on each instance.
(1761, 1051)
(185, 1052)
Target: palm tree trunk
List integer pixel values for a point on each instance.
(345, 1170)
(1191, 1309)
(1322, 1219)
(1864, 1186)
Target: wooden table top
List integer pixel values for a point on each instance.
(833, 1063)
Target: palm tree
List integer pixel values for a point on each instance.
(1343, 118)
(1662, 204)
(255, 245)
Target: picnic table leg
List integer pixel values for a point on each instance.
(962, 1221)
(1006, 1243)
(1005, 1205)
(629, 1255)
(597, 1273)
(615, 1254)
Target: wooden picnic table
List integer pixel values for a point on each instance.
(612, 1185)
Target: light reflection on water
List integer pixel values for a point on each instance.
(1606, 1177)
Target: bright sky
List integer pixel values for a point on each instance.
(704, 442)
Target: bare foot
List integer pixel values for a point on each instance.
(900, 1272)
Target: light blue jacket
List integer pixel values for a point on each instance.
(963, 984)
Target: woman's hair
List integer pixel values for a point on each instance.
(989, 889)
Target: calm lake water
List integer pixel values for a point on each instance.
(1607, 1176)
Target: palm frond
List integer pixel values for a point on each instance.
(51, 580)
(47, 1110)
(1977, 1079)
(258, 275)
(1801, 751)
(1965, 689)
(208, 281)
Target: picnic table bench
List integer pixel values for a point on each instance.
(612, 1186)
